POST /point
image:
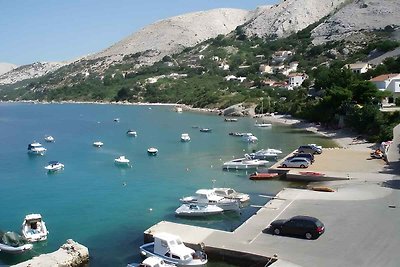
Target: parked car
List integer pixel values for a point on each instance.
(305, 226)
(308, 156)
(312, 149)
(295, 163)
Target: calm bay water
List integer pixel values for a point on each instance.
(106, 207)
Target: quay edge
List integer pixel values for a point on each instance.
(70, 254)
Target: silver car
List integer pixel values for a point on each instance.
(295, 163)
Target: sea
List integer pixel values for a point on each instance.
(108, 207)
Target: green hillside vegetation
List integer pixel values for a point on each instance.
(195, 77)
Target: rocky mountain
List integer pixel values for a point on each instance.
(357, 17)
(6, 67)
(30, 71)
(169, 36)
(290, 16)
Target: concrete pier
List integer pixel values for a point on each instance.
(363, 192)
(71, 254)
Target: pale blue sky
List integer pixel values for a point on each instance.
(57, 30)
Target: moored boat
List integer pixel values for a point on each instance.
(249, 138)
(152, 151)
(185, 137)
(194, 210)
(121, 160)
(131, 133)
(205, 130)
(244, 163)
(262, 124)
(263, 176)
(54, 166)
(34, 228)
(172, 250)
(265, 154)
(13, 243)
(230, 120)
(36, 148)
(231, 194)
(153, 261)
(49, 138)
(98, 144)
(208, 197)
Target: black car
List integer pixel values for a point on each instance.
(306, 226)
(308, 156)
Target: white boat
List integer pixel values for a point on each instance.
(249, 138)
(34, 228)
(36, 149)
(195, 210)
(131, 133)
(116, 119)
(185, 137)
(152, 151)
(54, 166)
(13, 243)
(244, 163)
(262, 124)
(178, 109)
(172, 250)
(49, 138)
(153, 261)
(208, 197)
(121, 160)
(98, 144)
(231, 193)
(265, 153)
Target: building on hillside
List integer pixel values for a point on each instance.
(296, 79)
(234, 78)
(281, 56)
(265, 69)
(223, 66)
(359, 67)
(291, 68)
(388, 82)
(261, 57)
(268, 82)
(215, 58)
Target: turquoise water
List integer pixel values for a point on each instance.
(106, 207)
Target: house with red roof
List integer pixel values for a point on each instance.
(388, 82)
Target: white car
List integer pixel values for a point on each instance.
(296, 163)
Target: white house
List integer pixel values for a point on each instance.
(296, 79)
(266, 69)
(234, 78)
(388, 82)
(359, 67)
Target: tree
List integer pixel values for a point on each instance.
(364, 92)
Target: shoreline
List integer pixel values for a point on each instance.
(343, 138)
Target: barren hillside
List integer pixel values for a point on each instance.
(172, 35)
(358, 16)
(6, 67)
(289, 16)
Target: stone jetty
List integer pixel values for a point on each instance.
(71, 254)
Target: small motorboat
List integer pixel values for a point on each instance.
(122, 160)
(205, 130)
(34, 228)
(98, 144)
(230, 120)
(209, 197)
(54, 166)
(185, 137)
(152, 151)
(116, 119)
(36, 149)
(263, 176)
(131, 133)
(152, 261)
(13, 243)
(244, 163)
(236, 134)
(179, 109)
(194, 210)
(249, 138)
(172, 250)
(49, 138)
(262, 124)
(265, 154)
(231, 194)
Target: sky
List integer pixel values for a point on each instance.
(62, 30)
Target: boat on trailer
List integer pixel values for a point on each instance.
(172, 250)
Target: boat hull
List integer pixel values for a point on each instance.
(147, 250)
(263, 176)
(15, 250)
(186, 211)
